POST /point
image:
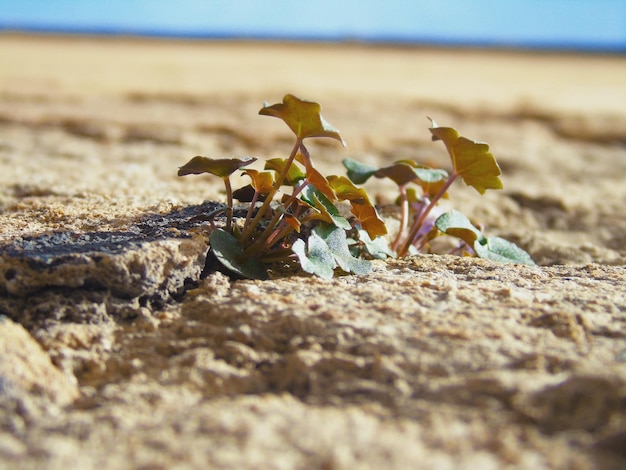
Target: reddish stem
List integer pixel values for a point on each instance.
(277, 184)
(404, 217)
(268, 232)
(420, 220)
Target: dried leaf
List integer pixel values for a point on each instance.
(292, 221)
(245, 193)
(296, 203)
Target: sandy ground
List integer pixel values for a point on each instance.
(431, 362)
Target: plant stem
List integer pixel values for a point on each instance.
(269, 230)
(258, 243)
(296, 192)
(251, 208)
(404, 217)
(282, 254)
(277, 235)
(229, 203)
(277, 184)
(420, 220)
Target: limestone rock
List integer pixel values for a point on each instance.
(26, 369)
(93, 276)
(147, 259)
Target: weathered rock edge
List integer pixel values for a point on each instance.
(150, 260)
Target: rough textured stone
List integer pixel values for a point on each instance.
(149, 258)
(27, 371)
(95, 276)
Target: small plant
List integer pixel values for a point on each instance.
(325, 223)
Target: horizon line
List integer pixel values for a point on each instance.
(396, 40)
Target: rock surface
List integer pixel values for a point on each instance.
(117, 354)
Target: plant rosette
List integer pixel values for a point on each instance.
(295, 212)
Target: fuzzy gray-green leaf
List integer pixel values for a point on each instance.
(455, 224)
(499, 249)
(337, 242)
(318, 259)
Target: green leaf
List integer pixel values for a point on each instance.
(431, 180)
(457, 225)
(229, 253)
(358, 172)
(377, 248)
(499, 249)
(360, 205)
(430, 175)
(337, 241)
(303, 118)
(471, 160)
(326, 248)
(400, 173)
(293, 175)
(221, 167)
(318, 259)
(329, 212)
(494, 248)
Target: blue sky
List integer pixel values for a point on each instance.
(599, 24)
